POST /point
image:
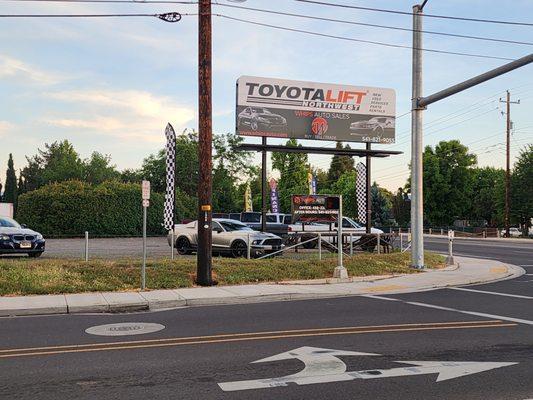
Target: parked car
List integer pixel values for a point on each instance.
(229, 237)
(374, 126)
(513, 232)
(348, 226)
(257, 118)
(18, 239)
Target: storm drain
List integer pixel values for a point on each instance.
(124, 329)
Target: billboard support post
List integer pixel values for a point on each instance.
(368, 193)
(263, 184)
(340, 271)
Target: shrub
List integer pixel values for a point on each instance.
(73, 207)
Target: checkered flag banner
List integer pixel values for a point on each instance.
(170, 150)
(360, 191)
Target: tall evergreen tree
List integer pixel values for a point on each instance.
(10, 194)
(340, 164)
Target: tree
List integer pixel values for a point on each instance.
(401, 207)
(58, 162)
(345, 186)
(293, 170)
(340, 164)
(225, 196)
(381, 205)
(10, 193)
(131, 176)
(99, 169)
(522, 188)
(488, 189)
(447, 182)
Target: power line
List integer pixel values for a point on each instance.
(167, 17)
(359, 40)
(491, 21)
(108, 1)
(342, 21)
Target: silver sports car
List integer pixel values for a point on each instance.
(229, 237)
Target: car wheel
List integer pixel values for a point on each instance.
(239, 249)
(183, 246)
(35, 255)
(379, 131)
(253, 125)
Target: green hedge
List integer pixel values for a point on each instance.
(73, 207)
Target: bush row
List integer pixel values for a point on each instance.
(73, 207)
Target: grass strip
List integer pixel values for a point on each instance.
(22, 276)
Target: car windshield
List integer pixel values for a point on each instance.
(234, 226)
(8, 223)
(355, 224)
(262, 111)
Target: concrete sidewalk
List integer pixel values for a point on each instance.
(468, 271)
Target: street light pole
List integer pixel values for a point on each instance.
(205, 138)
(417, 205)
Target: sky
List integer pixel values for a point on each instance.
(111, 84)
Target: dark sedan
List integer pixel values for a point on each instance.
(17, 239)
(258, 118)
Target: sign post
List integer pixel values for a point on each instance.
(145, 204)
(449, 259)
(340, 271)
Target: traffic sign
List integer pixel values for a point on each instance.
(146, 190)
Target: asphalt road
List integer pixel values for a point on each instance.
(201, 348)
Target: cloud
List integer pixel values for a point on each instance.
(127, 114)
(5, 127)
(14, 68)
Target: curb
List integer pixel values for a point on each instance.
(156, 300)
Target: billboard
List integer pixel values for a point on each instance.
(315, 208)
(316, 111)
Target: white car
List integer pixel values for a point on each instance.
(513, 232)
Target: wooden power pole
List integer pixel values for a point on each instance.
(205, 138)
(508, 161)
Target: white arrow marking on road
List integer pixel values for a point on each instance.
(323, 366)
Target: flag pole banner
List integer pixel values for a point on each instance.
(310, 182)
(274, 200)
(360, 190)
(248, 199)
(170, 151)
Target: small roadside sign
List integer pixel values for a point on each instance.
(146, 203)
(146, 190)
(451, 234)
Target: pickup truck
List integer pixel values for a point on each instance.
(348, 226)
(276, 223)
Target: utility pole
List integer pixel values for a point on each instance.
(205, 137)
(417, 205)
(263, 184)
(508, 160)
(368, 191)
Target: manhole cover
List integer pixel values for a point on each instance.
(124, 329)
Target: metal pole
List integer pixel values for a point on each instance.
(319, 246)
(401, 242)
(417, 207)
(143, 272)
(340, 271)
(248, 249)
(449, 259)
(263, 185)
(425, 101)
(172, 243)
(368, 191)
(86, 246)
(379, 243)
(205, 239)
(351, 244)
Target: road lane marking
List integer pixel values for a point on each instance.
(182, 341)
(518, 296)
(478, 314)
(324, 366)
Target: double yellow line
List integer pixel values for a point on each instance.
(238, 337)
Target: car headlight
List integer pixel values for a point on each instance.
(256, 242)
(4, 237)
(283, 120)
(39, 237)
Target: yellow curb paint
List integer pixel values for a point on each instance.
(498, 270)
(384, 288)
